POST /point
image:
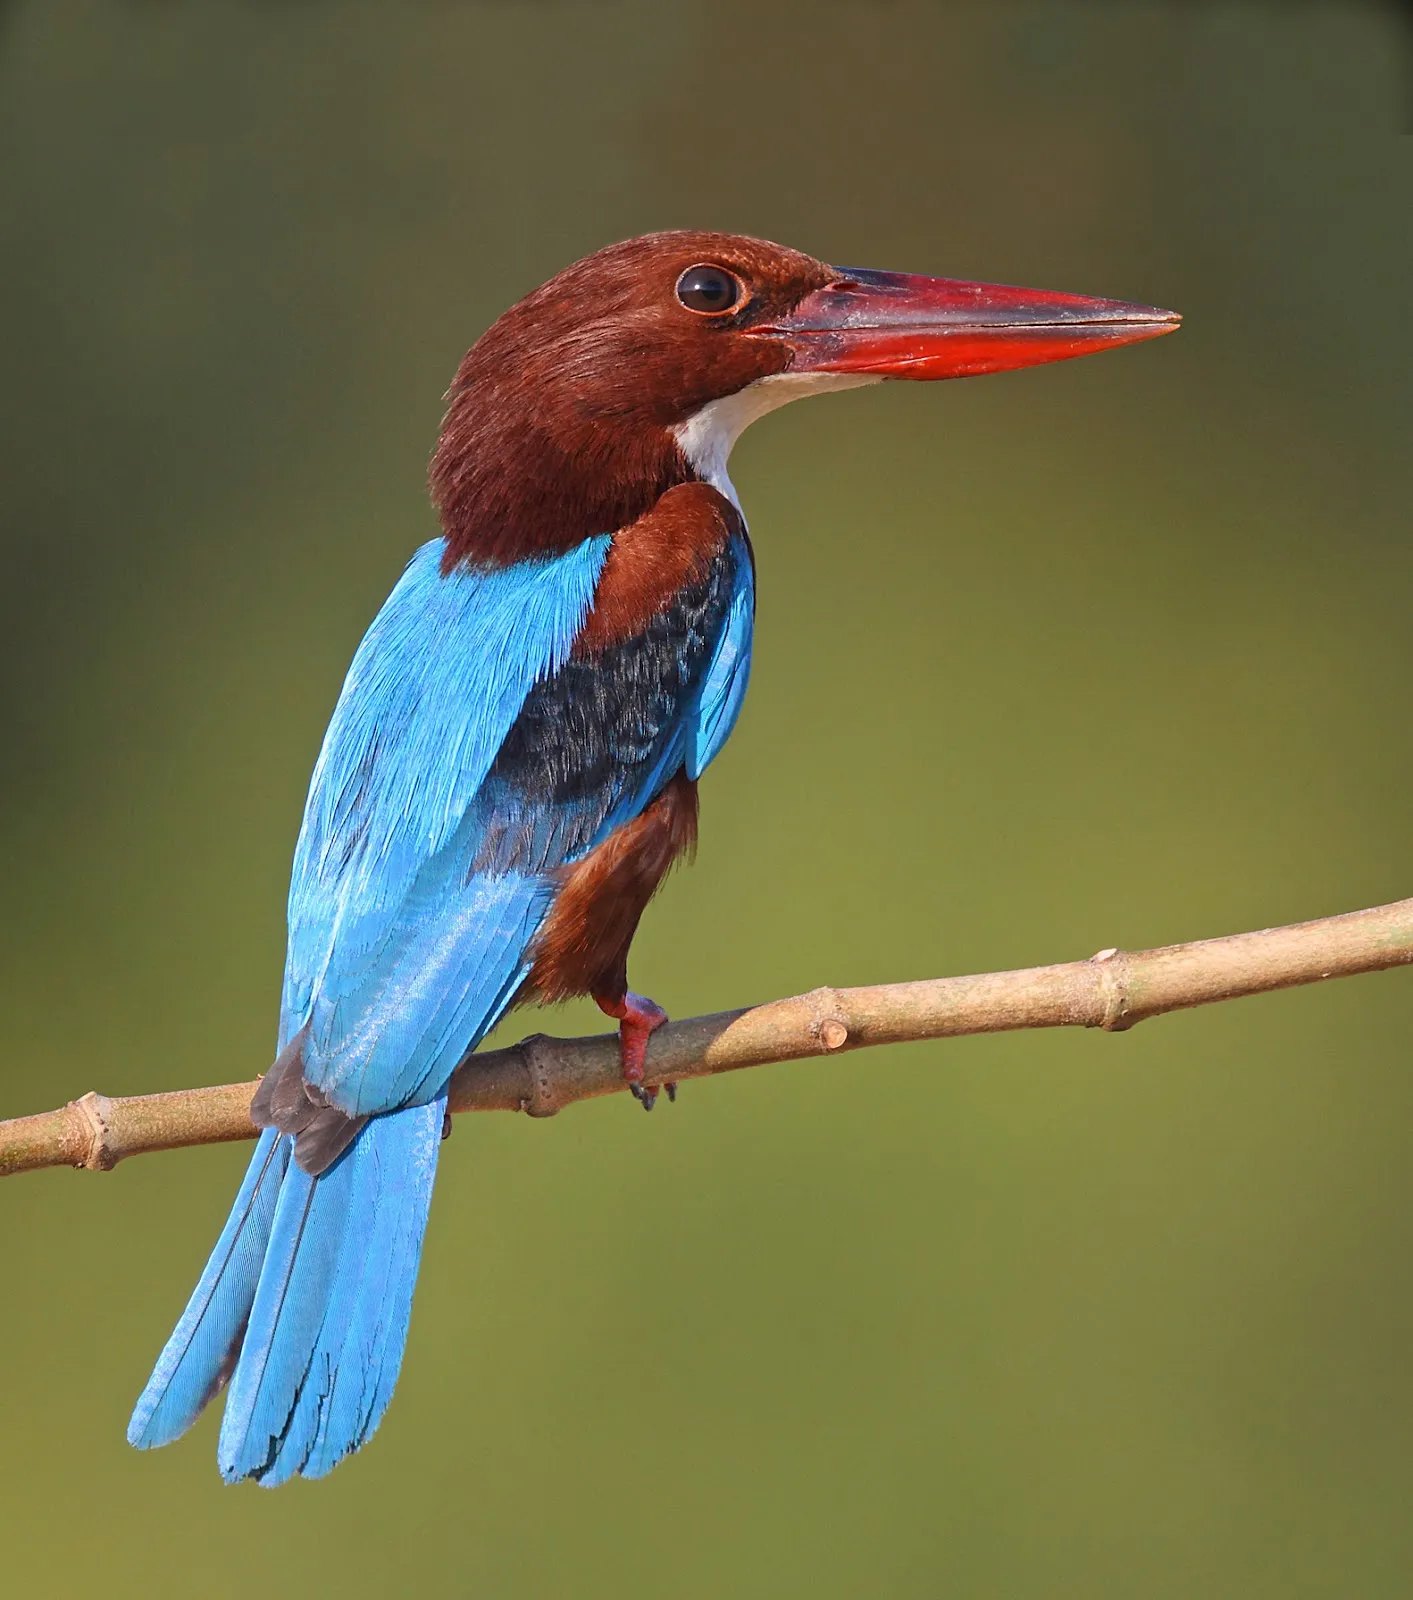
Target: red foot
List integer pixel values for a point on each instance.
(638, 1019)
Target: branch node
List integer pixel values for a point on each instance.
(827, 1019)
(538, 1053)
(92, 1108)
(1112, 967)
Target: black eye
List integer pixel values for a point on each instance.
(708, 289)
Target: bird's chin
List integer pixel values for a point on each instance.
(897, 325)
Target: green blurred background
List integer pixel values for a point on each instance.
(1115, 652)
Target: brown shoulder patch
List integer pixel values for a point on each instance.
(655, 557)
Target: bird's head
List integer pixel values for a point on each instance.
(636, 369)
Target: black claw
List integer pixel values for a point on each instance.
(671, 1092)
(646, 1097)
(446, 1124)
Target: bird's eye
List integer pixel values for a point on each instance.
(709, 290)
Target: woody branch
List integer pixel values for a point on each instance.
(1112, 990)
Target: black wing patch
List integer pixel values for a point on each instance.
(599, 732)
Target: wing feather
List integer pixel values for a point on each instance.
(388, 927)
(468, 758)
(718, 702)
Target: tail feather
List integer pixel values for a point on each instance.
(329, 1320)
(295, 1283)
(359, 1351)
(197, 1358)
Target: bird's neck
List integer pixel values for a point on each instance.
(517, 478)
(523, 473)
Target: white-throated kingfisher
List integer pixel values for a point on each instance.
(512, 766)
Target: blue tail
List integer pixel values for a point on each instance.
(307, 1297)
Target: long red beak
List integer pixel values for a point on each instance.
(898, 325)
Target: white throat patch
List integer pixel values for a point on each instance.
(706, 437)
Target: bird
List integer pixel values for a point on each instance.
(511, 767)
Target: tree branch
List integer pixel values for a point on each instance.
(1112, 990)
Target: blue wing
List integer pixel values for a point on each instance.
(442, 802)
(400, 954)
(718, 702)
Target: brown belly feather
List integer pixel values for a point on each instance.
(582, 946)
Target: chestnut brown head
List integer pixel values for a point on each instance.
(636, 368)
